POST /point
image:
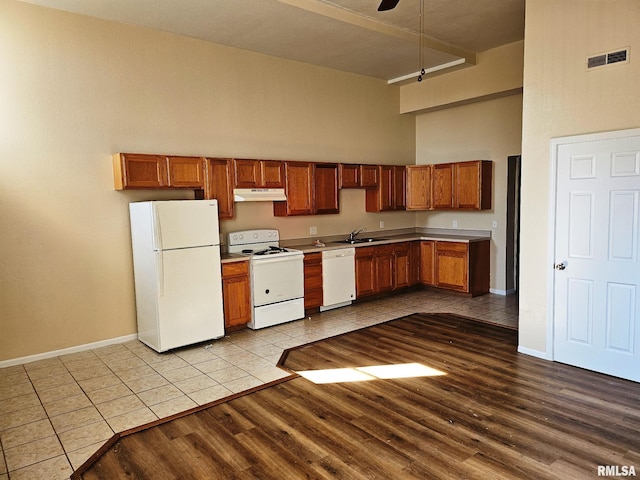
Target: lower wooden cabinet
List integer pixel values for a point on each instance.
(414, 263)
(312, 280)
(463, 267)
(427, 262)
(384, 259)
(236, 293)
(365, 272)
(376, 270)
(402, 264)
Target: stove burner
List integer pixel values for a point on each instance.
(271, 251)
(247, 251)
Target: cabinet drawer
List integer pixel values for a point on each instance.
(452, 247)
(364, 251)
(235, 269)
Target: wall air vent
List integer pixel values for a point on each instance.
(603, 59)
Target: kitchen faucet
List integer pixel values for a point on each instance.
(354, 234)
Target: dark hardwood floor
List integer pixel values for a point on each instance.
(494, 414)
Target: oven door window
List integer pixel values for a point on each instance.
(277, 280)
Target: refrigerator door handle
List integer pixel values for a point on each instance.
(157, 232)
(159, 256)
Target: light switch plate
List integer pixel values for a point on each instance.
(313, 230)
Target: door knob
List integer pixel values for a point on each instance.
(560, 266)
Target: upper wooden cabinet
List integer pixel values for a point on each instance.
(369, 176)
(350, 176)
(442, 185)
(219, 185)
(299, 189)
(326, 188)
(472, 185)
(311, 188)
(135, 170)
(419, 187)
(358, 176)
(258, 173)
(185, 172)
(463, 185)
(391, 191)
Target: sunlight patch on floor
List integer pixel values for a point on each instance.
(374, 372)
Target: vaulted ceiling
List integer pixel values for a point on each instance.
(347, 35)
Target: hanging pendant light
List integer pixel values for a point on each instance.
(420, 48)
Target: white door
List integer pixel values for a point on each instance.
(596, 305)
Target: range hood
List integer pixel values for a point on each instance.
(258, 194)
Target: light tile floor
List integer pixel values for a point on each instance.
(55, 413)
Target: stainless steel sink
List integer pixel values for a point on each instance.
(361, 240)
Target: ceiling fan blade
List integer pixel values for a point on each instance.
(387, 5)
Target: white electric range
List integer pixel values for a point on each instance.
(277, 276)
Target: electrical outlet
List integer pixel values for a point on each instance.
(313, 230)
(381, 224)
(455, 224)
(495, 224)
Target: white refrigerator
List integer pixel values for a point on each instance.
(177, 273)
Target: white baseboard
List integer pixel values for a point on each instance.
(534, 353)
(501, 292)
(67, 351)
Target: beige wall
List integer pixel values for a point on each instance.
(561, 98)
(74, 90)
(487, 130)
(472, 114)
(497, 72)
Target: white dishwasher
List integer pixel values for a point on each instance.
(338, 278)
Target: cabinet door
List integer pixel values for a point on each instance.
(326, 188)
(312, 280)
(402, 267)
(349, 176)
(381, 199)
(369, 176)
(399, 188)
(452, 266)
(299, 187)
(442, 186)
(384, 268)
(365, 272)
(427, 262)
(418, 187)
(219, 185)
(236, 294)
(414, 263)
(185, 172)
(473, 185)
(247, 173)
(133, 170)
(272, 174)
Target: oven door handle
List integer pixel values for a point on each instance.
(290, 258)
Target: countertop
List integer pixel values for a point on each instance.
(387, 239)
(307, 246)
